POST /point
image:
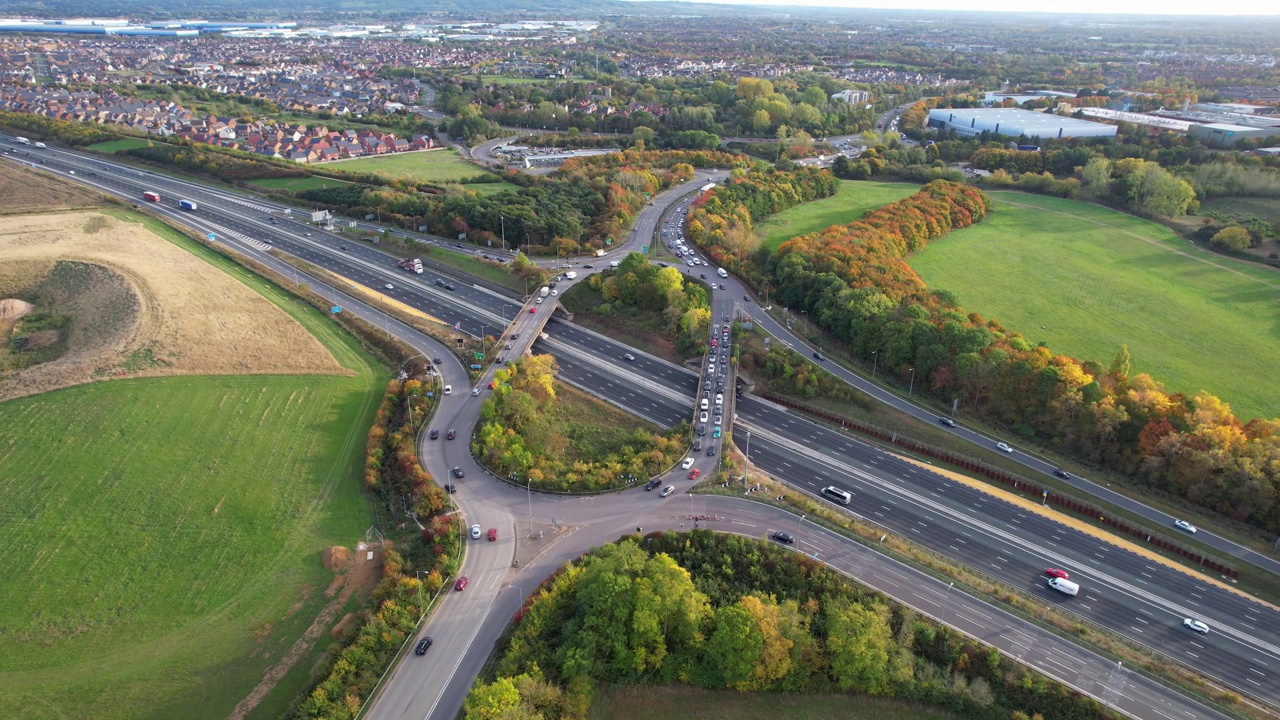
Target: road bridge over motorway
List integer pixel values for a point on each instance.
(918, 504)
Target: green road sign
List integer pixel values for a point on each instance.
(644, 248)
(478, 355)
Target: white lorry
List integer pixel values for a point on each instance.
(544, 292)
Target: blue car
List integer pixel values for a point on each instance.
(475, 367)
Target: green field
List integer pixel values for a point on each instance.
(689, 703)
(123, 144)
(444, 165)
(848, 204)
(1085, 280)
(1242, 209)
(297, 184)
(161, 538)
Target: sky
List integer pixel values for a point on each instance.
(1109, 7)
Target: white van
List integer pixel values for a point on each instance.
(722, 273)
(615, 263)
(1066, 587)
(838, 495)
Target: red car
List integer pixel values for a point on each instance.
(533, 310)
(493, 534)
(1055, 572)
(694, 475)
(461, 584)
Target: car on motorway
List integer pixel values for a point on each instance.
(704, 276)
(493, 534)
(1062, 473)
(1185, 526)
(946, 421)
(439, 283)
(438, 361)
(344, 247)
(452, 433)
(1003, 447)
(1196, 625)
(389, 286)
(782, 537)
(475, 532)
(652, 484)
(462, 581)
(459, 473)
(1055, 572)
(667, 491)
(435, 434)
(711, 451)
(423, 645)
(817, 356)
(694, 474)
(475, 392)
(629, 357)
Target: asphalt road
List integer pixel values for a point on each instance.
(1250, 650)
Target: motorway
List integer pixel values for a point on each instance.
(1124, 592)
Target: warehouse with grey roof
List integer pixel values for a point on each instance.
(970, 122)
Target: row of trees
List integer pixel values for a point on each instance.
(854, 281)
(400, 598)
(725, 612)
(515, 439)
(722, 221)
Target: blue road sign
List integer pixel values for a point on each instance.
(335, 309)
(212, 236)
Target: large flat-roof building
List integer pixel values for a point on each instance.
(970, 122)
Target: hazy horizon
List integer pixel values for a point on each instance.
(1269, 8)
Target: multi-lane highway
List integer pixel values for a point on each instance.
(1142, 600)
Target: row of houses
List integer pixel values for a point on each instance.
(291, 141)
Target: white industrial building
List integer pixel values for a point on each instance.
(970, 122)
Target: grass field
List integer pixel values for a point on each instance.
(441, 166)
(1244, 208)
(593, 427)
(123, 144)
(689, 703)
(297, 184)
(848, 204)
(162, 536)
(1085, 280)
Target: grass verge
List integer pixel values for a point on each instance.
(848, 204)
(442, 165)
(680, 702)
(111, 146)
(1102, 279)
(297, 184)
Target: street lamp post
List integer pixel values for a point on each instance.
(875, 360)
(945, 600)
(746, 454)
(528, 488)
(912, 389)
(798, 524)
(503, 220)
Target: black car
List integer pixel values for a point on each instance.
(439, 283)
(448, 286)
(697, 445)
(783, 538)
(423, 645)
(589, 267)
(435, 434)
(342, 247)
(947, 421)
(652, 484)
(817, 357)
(458, 473)
(704, 276)
(1062, 473)
(452, 434)
(438, 361)
(746, 298)
(711, 451)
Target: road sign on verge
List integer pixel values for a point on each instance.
(335, 309)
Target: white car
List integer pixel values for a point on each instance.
(688, 463)
(475, 392)
(703, 416)
(1185, 526)
(448, 389)
(475, 532)
(1003, 447)
(1196, 625)
(389, 286)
